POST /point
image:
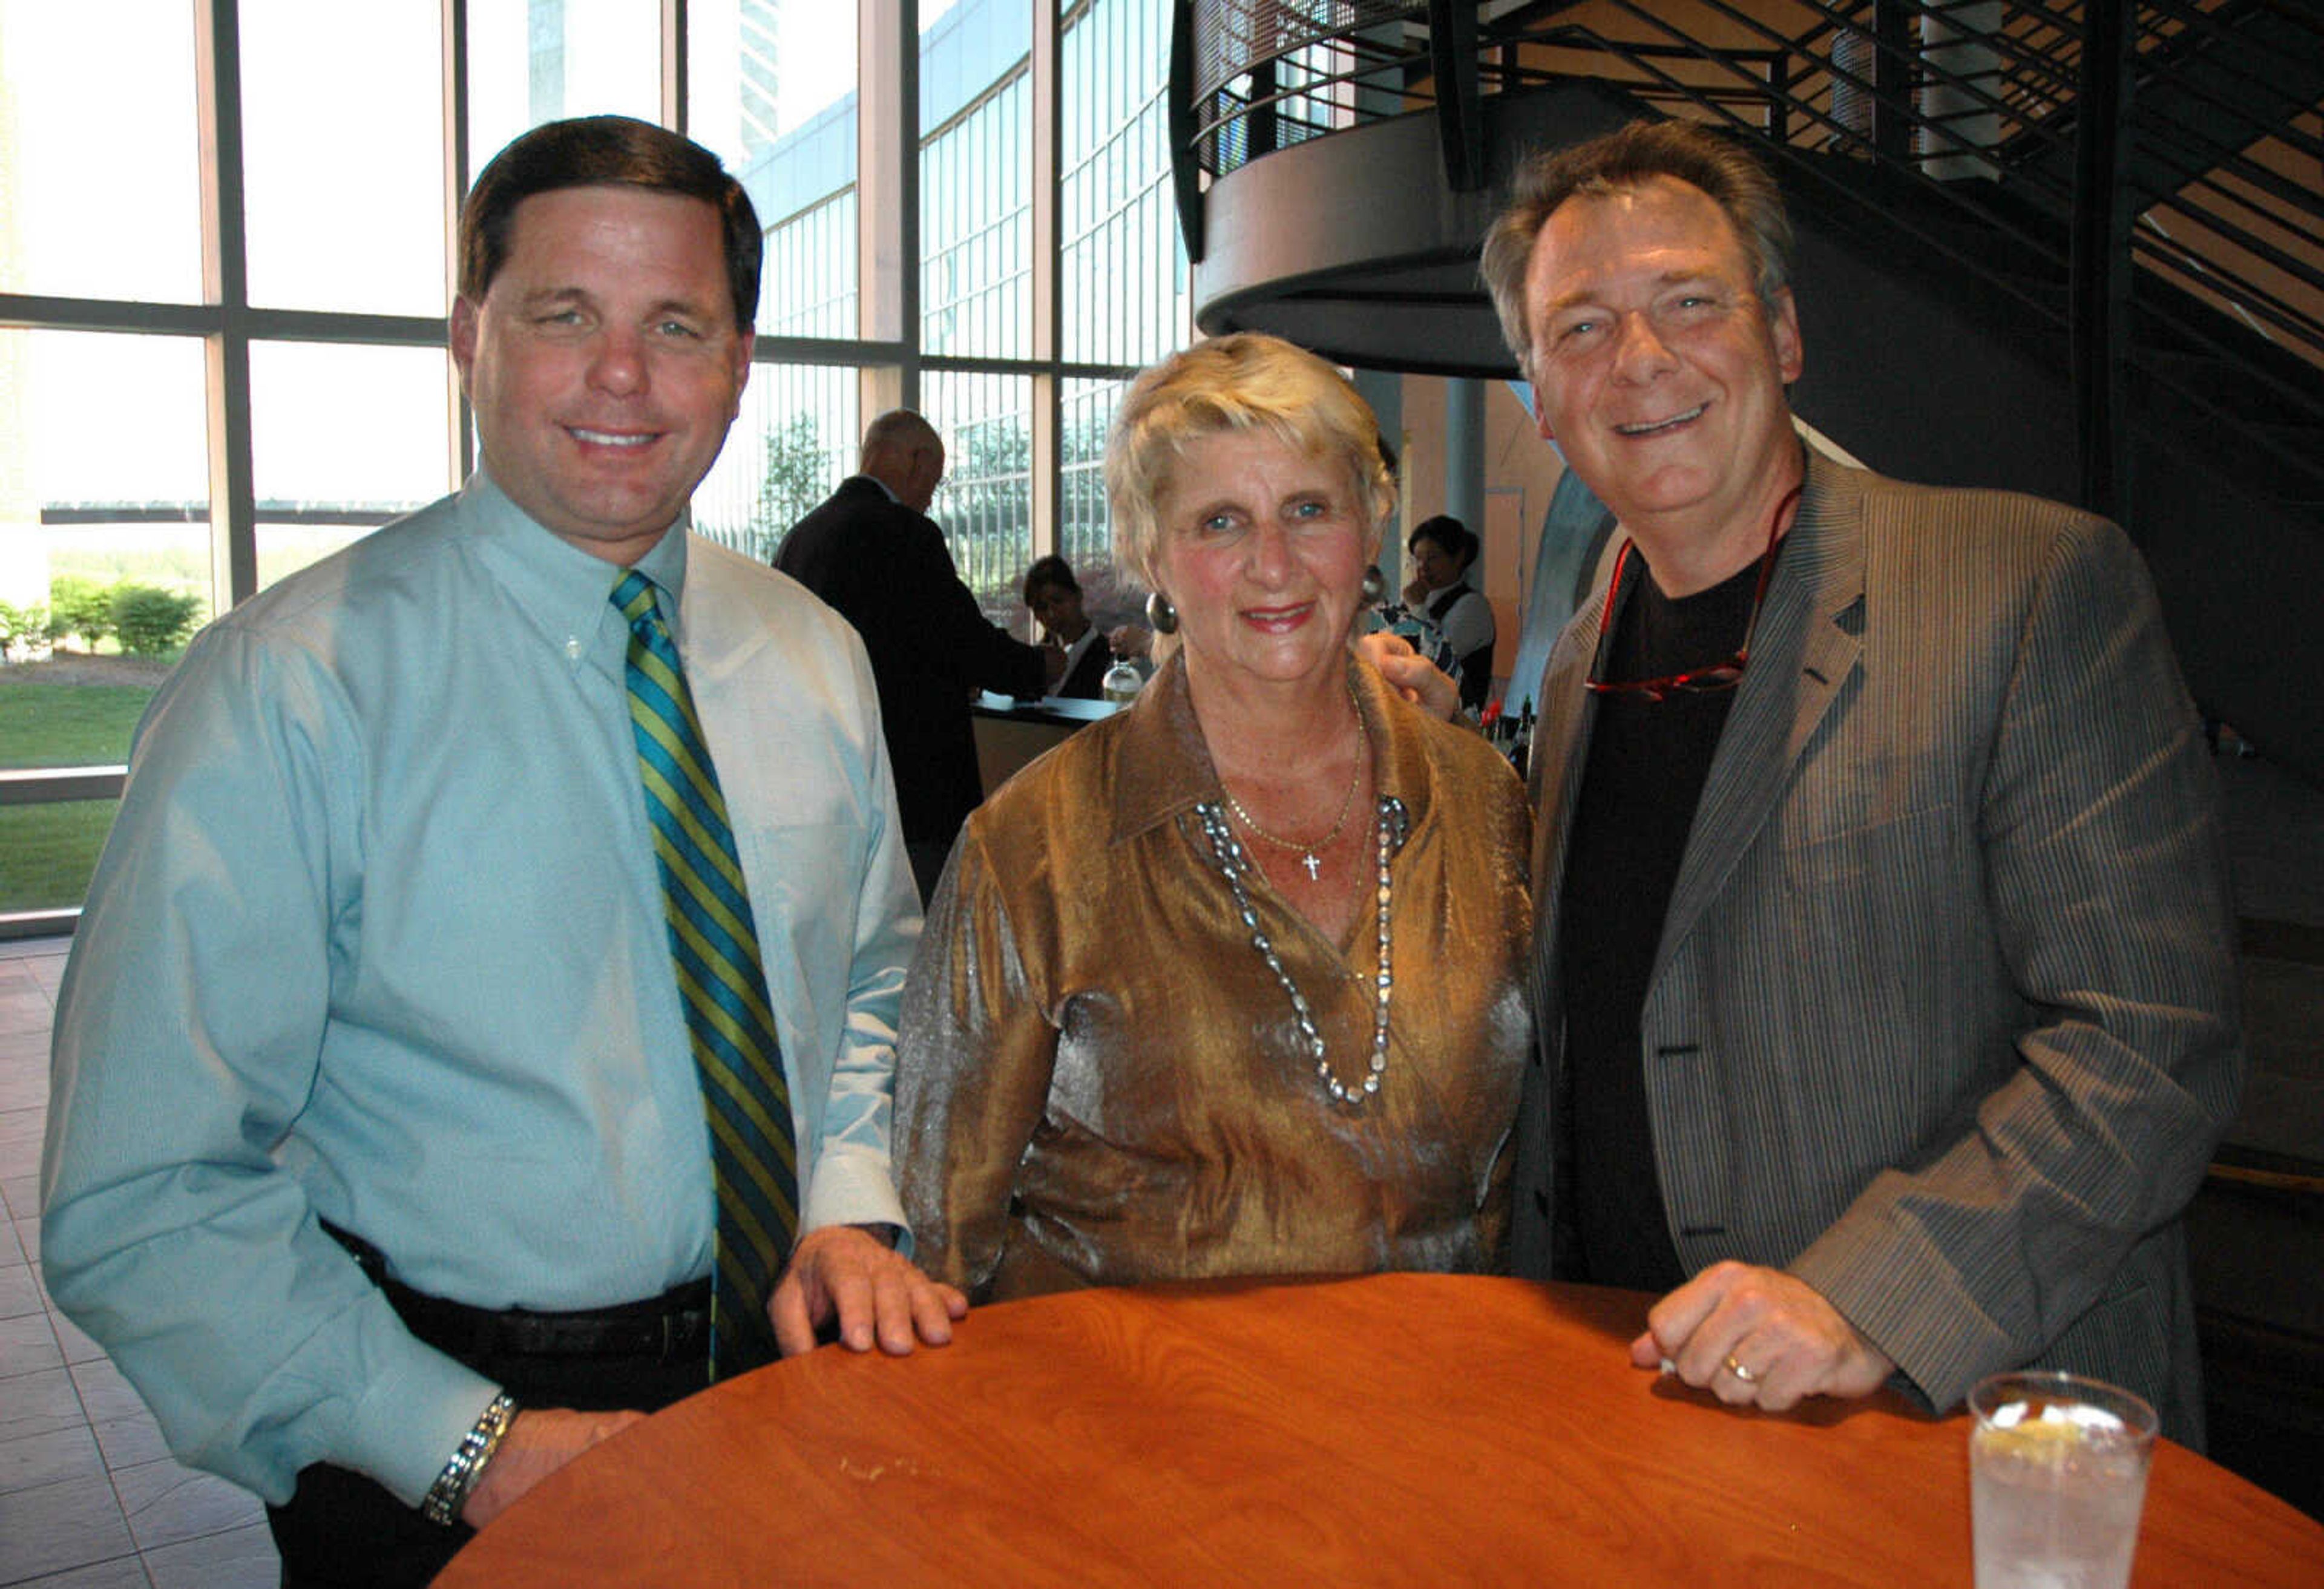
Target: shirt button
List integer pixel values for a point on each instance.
(572, 647)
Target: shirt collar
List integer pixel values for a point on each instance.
(1165, 766)
(565, 592)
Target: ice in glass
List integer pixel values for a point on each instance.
(2057, 1474)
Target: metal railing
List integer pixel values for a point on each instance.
(2148, 175)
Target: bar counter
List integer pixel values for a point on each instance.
(1010, 733)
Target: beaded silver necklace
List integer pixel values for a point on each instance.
(1234, 863)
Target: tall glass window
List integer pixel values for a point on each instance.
(986, 501)
(808, 284)
(343, 439)
(86, 522)
(531, 61)
(77, 508)
(797, 439)
(284, 411)
(1123, 270)
(144, 240)
(344, 214)
(976, 160)
(1084, 528)
(771, 90)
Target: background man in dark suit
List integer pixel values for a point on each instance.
(1887, 1006)
(872, 553)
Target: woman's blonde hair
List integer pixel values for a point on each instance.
(1240, 382)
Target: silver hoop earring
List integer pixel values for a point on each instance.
(1375, 584)
(1161, 616)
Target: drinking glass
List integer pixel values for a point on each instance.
(2057, 1470)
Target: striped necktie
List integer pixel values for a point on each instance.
(747, 1101)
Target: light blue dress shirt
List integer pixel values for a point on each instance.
(378, 937)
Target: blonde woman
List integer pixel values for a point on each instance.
(1232, 982)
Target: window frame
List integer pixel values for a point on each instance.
(886, 350)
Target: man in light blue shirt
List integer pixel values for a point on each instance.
(372, 1035)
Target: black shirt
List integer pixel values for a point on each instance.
(1644, 775)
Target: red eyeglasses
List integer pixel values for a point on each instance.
(1694, 681)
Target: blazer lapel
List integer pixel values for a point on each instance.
(1808, 643)
(1555, 760)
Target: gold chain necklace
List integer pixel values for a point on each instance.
(1306, 852)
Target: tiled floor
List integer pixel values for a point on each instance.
(88, 1497)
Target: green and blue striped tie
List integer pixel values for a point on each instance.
(753, 1158)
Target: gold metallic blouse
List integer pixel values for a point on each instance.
(1100, 1081)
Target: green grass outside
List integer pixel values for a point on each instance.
(46, 852)
(67, 725)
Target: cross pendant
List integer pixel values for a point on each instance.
(1312, 864)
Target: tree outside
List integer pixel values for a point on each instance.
(81, 670)
(985, 507)
(793, 483)
(80, 607)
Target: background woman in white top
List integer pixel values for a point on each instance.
(1442, 549)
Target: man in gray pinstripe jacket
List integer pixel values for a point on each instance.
(1883, 970)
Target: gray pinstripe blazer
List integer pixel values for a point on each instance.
(1943, 1019)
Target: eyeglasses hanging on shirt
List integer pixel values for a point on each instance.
(1717, 675)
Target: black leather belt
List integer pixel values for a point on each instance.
(673, 1327)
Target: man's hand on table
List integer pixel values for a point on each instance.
(874, 1291)
(842, 1270)
(1787, 1340)
(540, 1441)
(1411, 674)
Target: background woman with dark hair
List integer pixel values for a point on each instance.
(1442, 549)
(1054, 596)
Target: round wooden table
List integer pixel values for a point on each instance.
(1402, 1429)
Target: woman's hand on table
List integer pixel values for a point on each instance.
(540, 1441)
(1759, 1337)
(875, 1292)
